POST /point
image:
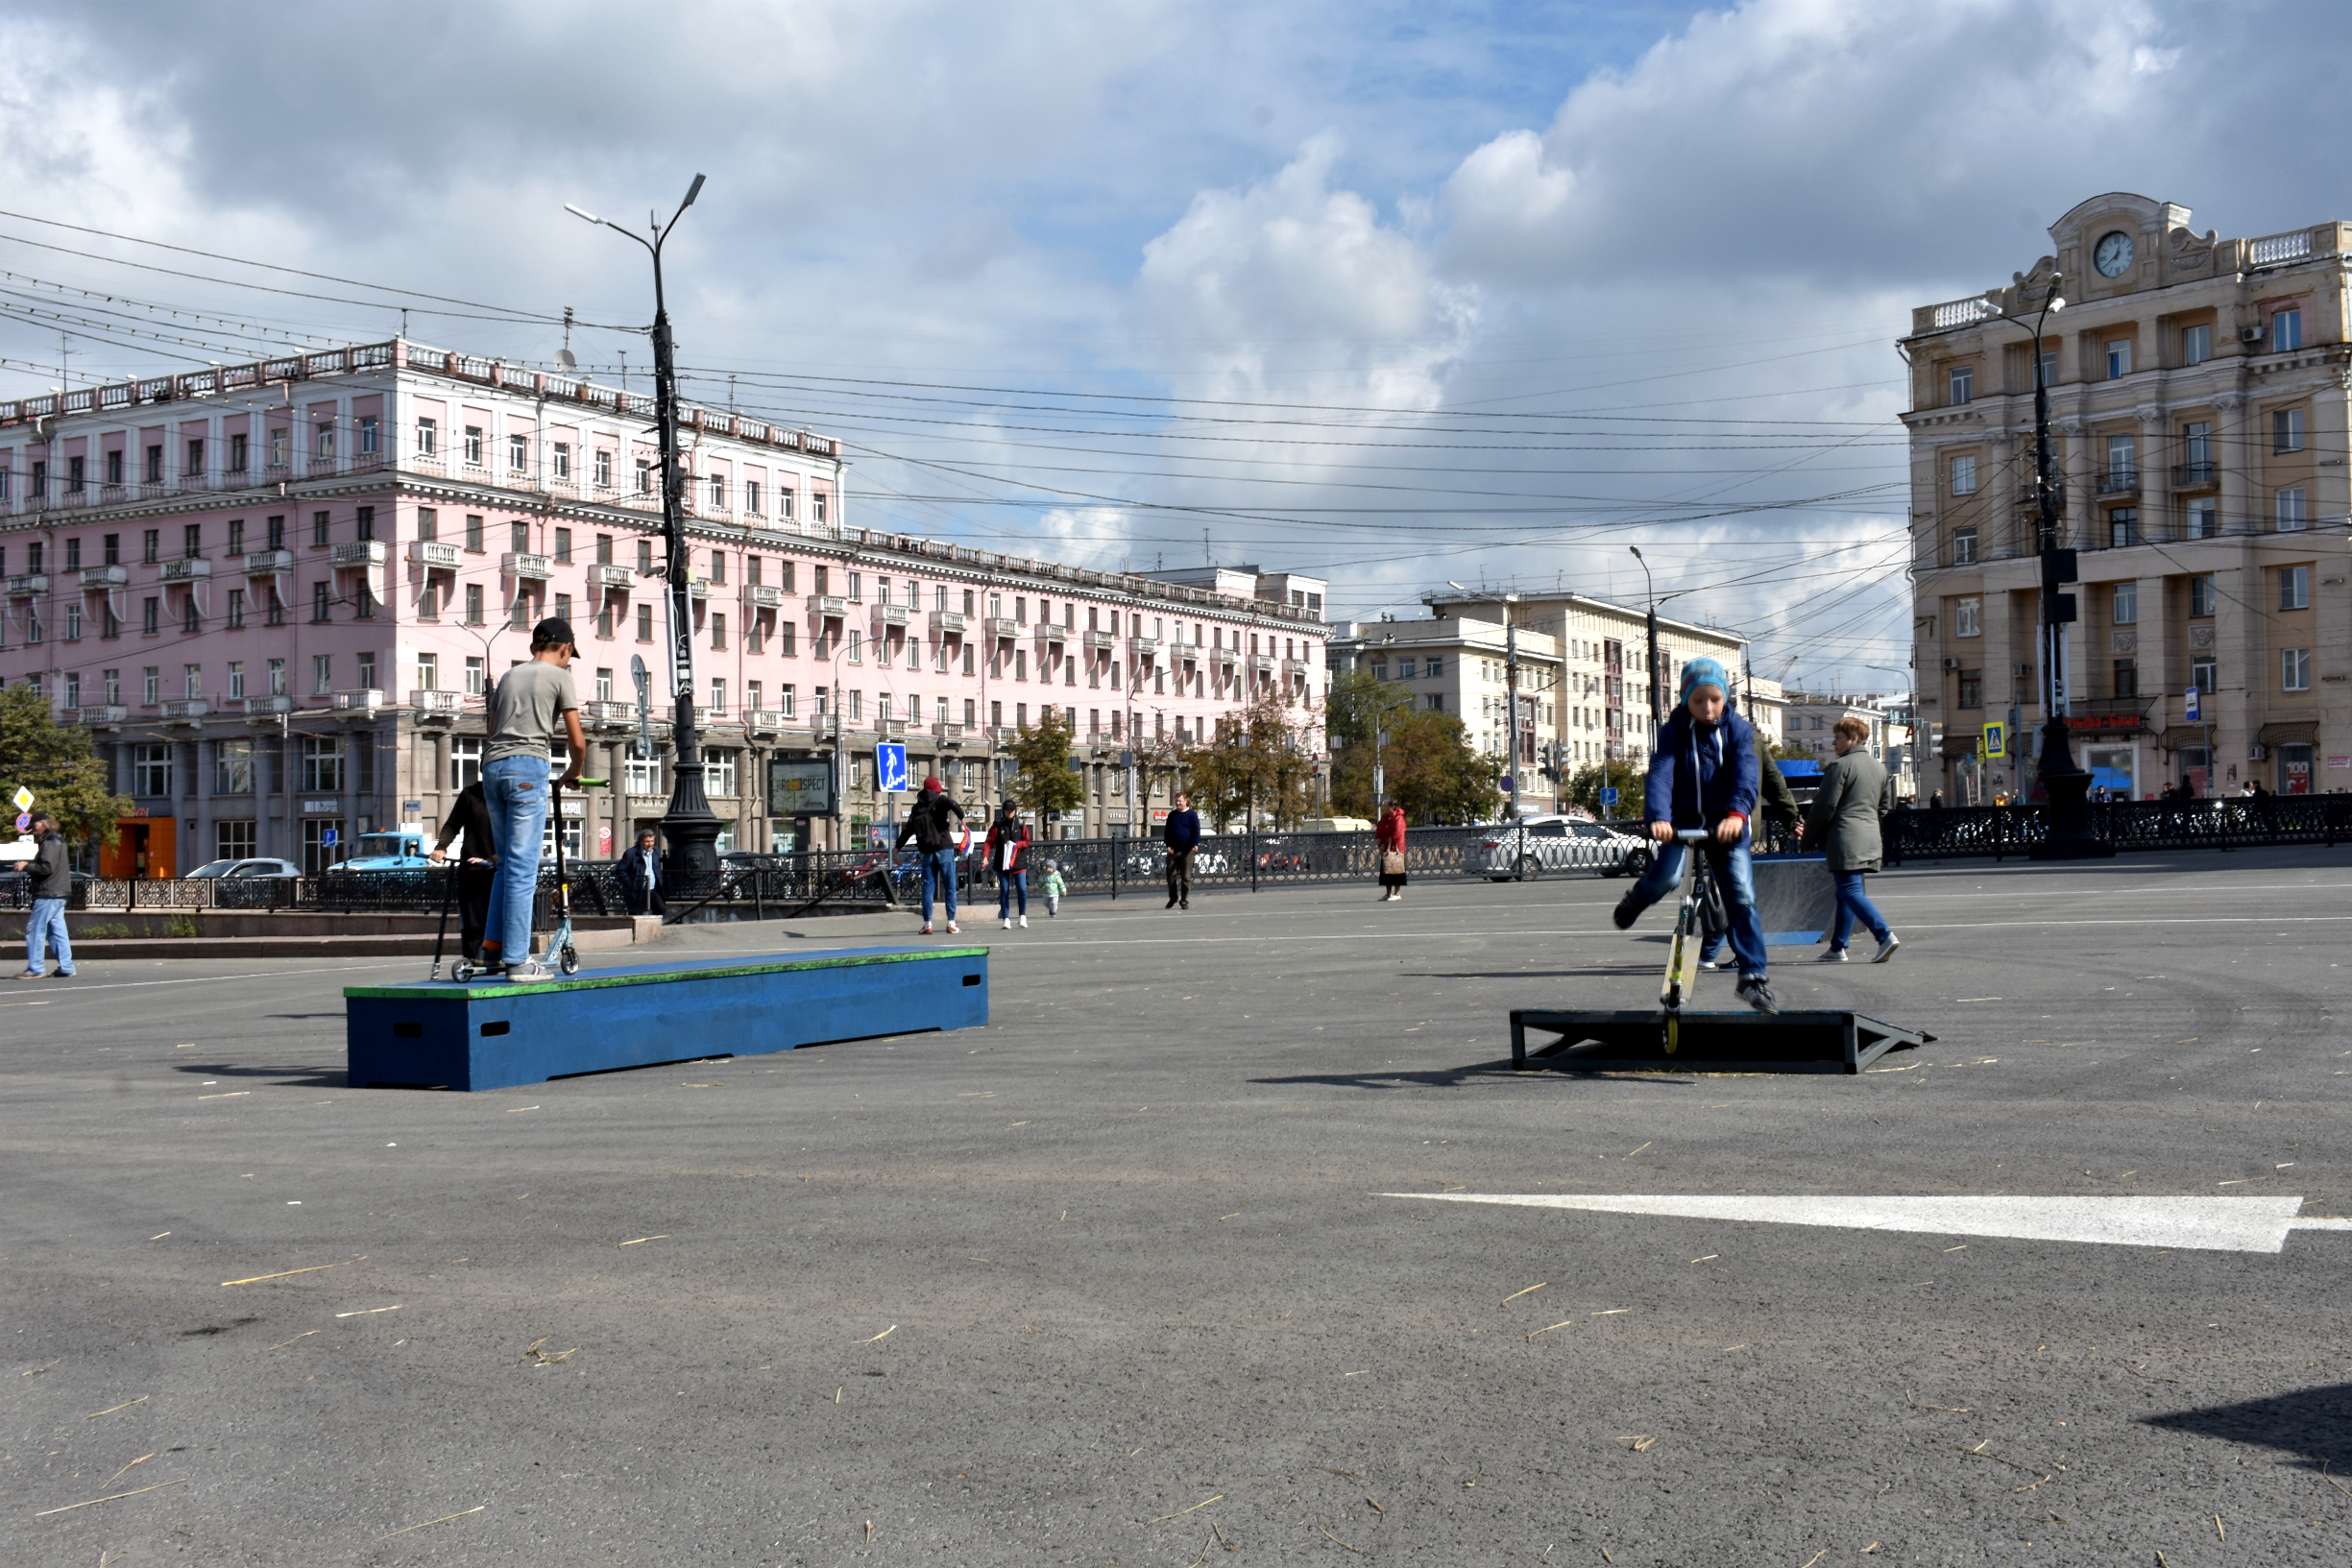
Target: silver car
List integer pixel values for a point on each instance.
(1531, 846)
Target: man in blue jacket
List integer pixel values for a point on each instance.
(1182, 837)
(1705, 775)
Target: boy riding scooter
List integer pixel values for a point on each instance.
(1704, 774)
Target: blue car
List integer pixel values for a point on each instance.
(396, 850)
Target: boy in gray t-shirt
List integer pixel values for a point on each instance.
(534, 703)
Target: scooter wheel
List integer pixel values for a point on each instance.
(461, 973)
(570, 962)
(1674, 1032)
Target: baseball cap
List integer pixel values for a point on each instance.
(554, 632)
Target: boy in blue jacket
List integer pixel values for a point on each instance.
(1705, 775)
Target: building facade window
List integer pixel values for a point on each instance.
(151, 770)
(1972, 689)
(2286, 329)
(428, 437)
(2196, 344)
(1964, 476)
(2201, 596)
(2294, 669)
(2123, 527)
(2126, 678)
(2123, 608)
(2287, 508)
(2285, 431)
(1961, 384)
(1968, 617)
(2295, 587)
(2203, 520)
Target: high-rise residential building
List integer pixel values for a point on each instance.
(277, 594)
(2199, 397)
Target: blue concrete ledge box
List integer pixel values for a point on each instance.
(493, 1035)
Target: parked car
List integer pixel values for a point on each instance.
(1532, 845)
(242, 869)
(397, 850)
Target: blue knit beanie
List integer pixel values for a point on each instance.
(1705, 672)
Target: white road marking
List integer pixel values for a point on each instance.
(2214, 1224)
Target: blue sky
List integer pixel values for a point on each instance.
(1342, 256)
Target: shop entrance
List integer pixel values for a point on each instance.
(144, 847)
(2294, 769)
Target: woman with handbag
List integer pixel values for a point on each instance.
(1007, 853)
(1389, 835)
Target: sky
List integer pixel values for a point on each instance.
(1397, 293)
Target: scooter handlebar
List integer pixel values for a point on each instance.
(1691, 836)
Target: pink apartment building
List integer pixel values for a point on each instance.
(274, 593)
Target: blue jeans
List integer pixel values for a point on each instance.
(516, 790)
(1735, 869)
(1852, 904)
(47, 925)
(1008, 883)
(938, 875)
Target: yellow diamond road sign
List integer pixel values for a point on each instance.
(23, 798)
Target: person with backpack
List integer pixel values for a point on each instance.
(1008, 852)
(934, 845)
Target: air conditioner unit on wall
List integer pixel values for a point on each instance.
(1951, 662)
(2250, 334)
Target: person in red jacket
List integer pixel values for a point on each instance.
(1007, 853)
(1389, 834)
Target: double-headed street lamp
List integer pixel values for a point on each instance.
(1658, 705)
(690, 827)
(2069, 836)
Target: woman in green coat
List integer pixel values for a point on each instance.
(1843, 824)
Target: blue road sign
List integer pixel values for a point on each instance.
(891, 763)
(1609, 797)
(1507, 784)
(328, 838)
(2188, 706)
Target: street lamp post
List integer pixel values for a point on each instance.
(690, 827)
(2069, 836)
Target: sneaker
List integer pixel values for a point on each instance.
(530, 970)
(926, 931)
(32, 975)
(954, 930)
(1886, 949)
(1758, 995)
(1831, 955)
(1710, 963)
(1006, 923)
(1625, 913)
(1172, 903)
(1024, 922)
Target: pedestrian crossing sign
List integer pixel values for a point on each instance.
(1996, 740)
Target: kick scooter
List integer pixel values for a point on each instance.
(1701, 895)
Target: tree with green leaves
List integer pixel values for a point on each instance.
(54, 761)
(1358, 707)
(1257, 761)
(1046, 782)
(1433, 772)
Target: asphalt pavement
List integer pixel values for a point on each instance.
(1119, 1278)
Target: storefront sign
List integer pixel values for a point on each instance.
(2340, 762)
(312, 806)
(2108, 723)
(803, 788)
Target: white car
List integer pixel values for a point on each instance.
(1531, 846)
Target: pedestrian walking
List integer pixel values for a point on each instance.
(1843, 824)
(1182, 837)
(50, 879)
(477, 870)
(1388, 837)
(1008, 852)
(533, 705)
(934, 847)
(640, 874)
(1054, 886)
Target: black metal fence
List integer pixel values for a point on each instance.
(2236, 822)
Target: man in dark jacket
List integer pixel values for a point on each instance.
(641, 878)
(1182, 837)
(1780, 812)
(478, 871)
(934, 843)
(51, 875)
(1704, 776)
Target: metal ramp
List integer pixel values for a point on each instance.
(1706, 1042)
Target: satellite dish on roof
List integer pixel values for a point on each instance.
(565, 358)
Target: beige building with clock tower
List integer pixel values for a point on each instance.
(2200, 399)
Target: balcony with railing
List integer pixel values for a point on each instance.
(947, 623)
(1262, 663)
(434, 707)
(266, 710)
(890, 615)
(2276, 250)
(890, 729)
(94, 578)
(1102, 642)
(999, 626)
(186, 710)
(763, 722)
(763, 596)
(1051, 634)
(361, 701)
(30, 585)
(433, 555)
(2196, 475)
(188, 568)
(606, 714)
(269, 563)
(2118, 482)
(828, 606)
(360, 552)
(1144, 646)
(948, 735)
(102, 713)
(525, 568)
(604, 576)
